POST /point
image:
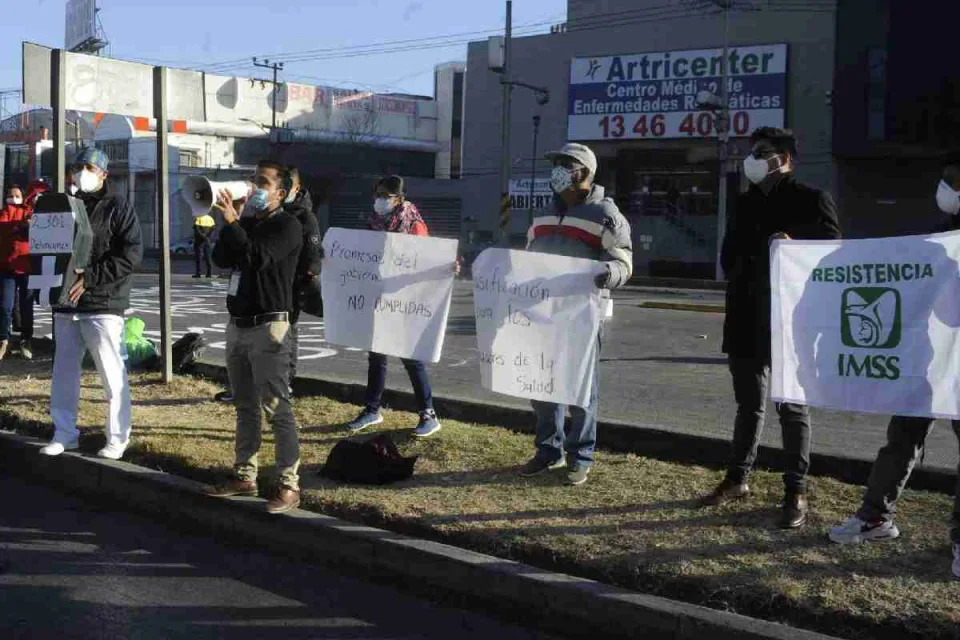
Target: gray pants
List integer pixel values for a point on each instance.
(751, 378)
(891, 470)
(294, 350)
(258, 363)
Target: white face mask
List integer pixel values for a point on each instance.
(757, 169)
(14, 200)
(89, 181)
(561, 179)
(73, 189)
(947, 199)
(382, 206)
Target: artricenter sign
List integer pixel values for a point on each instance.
(654, 95)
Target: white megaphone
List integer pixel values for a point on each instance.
(201, 193)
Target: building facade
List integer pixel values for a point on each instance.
(623, 77)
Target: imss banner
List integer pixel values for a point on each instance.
(537, 321)
(387, 292)
(868, 325)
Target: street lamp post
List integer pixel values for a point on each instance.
(533, 169)
(723, 134)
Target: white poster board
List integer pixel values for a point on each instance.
(387, 292)
(51, 232)
(868, 325)
(538, 316)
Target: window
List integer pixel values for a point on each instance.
(189, 158)
(116, 150)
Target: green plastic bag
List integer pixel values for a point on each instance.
(141, 353)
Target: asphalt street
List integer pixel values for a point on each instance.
(73, 569)
(659, 368)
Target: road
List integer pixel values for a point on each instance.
(72, 569)
(660, 368)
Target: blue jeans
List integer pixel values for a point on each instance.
(377, 381)
(11, 284)
(581, 439)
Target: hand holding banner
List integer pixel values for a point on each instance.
(538, 316)
(387, 292)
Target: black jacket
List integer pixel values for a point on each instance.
(265, 252)
(116, 252)
(800, 211)
(309, 260)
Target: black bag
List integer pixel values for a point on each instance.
(373, 460)
(310, 298)
(186, 351)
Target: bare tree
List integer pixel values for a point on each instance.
(361, 125)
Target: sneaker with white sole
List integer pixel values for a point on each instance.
(956, 560)
(56, 448)
(855, 531)
(428, 424)
(112, 451)
(537, 465)
(367, 418)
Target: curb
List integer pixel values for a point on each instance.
(641, 439)
(556, 601)
(684, 306)
(677, 283)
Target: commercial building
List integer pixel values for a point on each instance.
(873, 112)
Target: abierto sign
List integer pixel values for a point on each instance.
(521, 193)
(654, 94)
(868, 325)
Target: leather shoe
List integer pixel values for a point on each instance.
(232, 487)
(794, 510)
(284, 500)
(726, 491)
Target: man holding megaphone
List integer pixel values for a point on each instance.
(262, 249)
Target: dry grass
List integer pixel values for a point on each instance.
(634, 523)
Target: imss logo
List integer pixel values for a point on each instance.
(870, 318)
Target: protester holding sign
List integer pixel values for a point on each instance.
(100, 295)
(14, 270)
(583, 224)
(874, 520)
(262, 249)
(393, 213)
(775, 205)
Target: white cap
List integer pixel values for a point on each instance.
(579, 152)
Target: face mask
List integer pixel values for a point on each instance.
(382, 206)
(757, 169)
(560, 179)
(947, 199)
(290, 196)
(72, 189)
(89, 181)
(15, 200)
(258, 201)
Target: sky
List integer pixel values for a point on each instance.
(223, 35)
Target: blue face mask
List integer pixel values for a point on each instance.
(258, 201)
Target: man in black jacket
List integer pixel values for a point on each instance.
(101, 295)
(775, 206)
(874, 521)
(262, 249)
(299, 204)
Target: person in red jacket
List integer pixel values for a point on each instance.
(393, 213)
(14, 270)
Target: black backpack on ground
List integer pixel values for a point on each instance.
(369, 460)
(186, 351)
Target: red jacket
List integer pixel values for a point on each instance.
(14, 239)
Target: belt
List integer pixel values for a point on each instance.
(246, 322)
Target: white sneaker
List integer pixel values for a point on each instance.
(112, 451)
(956, 560)
(56, 448)
(855, 531)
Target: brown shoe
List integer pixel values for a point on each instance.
(726, 491)
(794, 510)
(284, 500)
(233, 487)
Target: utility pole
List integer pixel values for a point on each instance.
(723, 133)
(276, 66)
(162, 182)
(506, 90)
(533, 169)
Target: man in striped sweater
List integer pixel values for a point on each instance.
(583, 224)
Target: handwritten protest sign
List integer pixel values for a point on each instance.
(537, 321)
(51, 232)
(387, 292)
